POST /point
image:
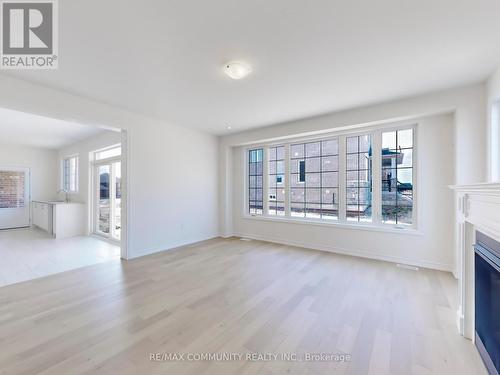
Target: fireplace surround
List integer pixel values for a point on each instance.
(487, 301)
(477, 218)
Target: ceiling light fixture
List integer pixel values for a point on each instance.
(237, 69)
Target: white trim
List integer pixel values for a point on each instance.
(286, 180)
(265, 181)
(125, 188)
(494, 140)
(477, 209)
(405, 230)
(95, 152)
(377, 187)
(112, 197)
(351, 252)
(342, 179)
(175, 246)
(484, 187)
(77, 173)
(125, 214)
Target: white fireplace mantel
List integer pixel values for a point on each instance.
(478, 209)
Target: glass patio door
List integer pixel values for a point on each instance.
(108, 200)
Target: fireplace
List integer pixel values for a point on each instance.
(487, 300)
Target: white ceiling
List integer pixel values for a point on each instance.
(164, 58)
(31, 130)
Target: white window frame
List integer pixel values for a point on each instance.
(115, 157)
(283, 183)
(495, 141)
(63, 174)
(376, 139)
(95, 163)
(265, 183)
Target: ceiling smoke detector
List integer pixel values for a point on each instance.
(237, 69)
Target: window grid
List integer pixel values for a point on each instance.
(314, 196)
(276, 189)
(70, 174)
(66, 174)
(358, 187)
(310, 197)
(255, 186)
(397, 190)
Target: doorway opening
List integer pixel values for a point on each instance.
(63, 195)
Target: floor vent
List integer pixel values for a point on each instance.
(245, 239)
(407, 266)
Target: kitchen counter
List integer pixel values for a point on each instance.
(60, 219)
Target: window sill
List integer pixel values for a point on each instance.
(368, 227)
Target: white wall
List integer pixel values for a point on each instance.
(493, 109)
(171, 202)
(42, 163)
(83, 149)
(431, 247)
(175, 175)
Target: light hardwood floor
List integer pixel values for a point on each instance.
(27, 254)
(234, 296)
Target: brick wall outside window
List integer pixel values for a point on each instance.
(11, 189)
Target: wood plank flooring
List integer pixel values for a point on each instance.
(232, 296)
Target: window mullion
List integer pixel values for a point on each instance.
(287, 178)
(265, 180)
(247, 181)
(377, 177)
(342, 179)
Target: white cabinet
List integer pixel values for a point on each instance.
(60, 219)
(69, 220)
(42, 216)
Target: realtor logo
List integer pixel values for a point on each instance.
(29, 34)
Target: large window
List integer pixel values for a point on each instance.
(314, 179)
(256, 181)
(359, 178)
(365, 177)
(70, 174)
(276, 173)
(397, 176)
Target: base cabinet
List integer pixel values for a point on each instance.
(42, 216)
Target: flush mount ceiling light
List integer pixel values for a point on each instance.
(237, 69)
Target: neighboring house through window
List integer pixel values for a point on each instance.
(359, 178)
(276, 170)
(397, 176)
(255, 182)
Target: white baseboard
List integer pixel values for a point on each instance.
(357, 253)
(171, 247)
